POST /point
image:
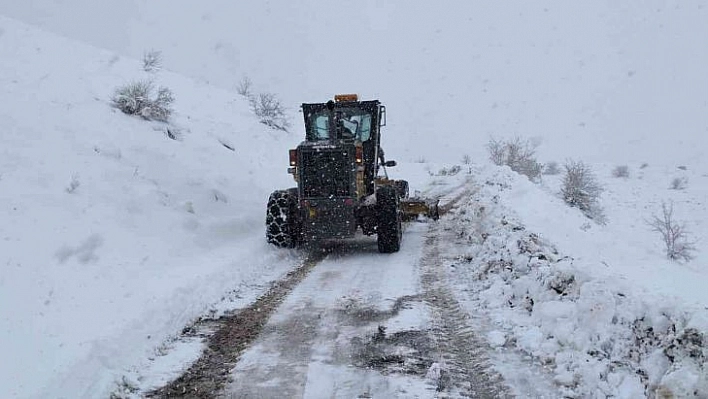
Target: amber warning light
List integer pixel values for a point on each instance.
(293, 157)
(346, 98)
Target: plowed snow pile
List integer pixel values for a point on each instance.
(598, 335)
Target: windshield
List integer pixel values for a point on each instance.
(349, 123)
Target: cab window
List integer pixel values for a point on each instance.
(320, 127)
(356, 121)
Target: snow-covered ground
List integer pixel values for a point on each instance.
(114, 236)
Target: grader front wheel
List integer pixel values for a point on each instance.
(281, 219)
(389, 230)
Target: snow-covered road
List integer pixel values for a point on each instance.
(365, 324)
(473, 305)
(360, 324)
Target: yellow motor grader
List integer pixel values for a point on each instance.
(339, 189)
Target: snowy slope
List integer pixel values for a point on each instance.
(589, 79)
(113, 235)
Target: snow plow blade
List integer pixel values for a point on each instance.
(412, 208)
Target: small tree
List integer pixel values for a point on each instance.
(673, 234)
(518, 154)
(581, 190)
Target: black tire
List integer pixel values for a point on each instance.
(282, 224)
(389, 230)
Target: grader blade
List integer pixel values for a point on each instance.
(412, 208)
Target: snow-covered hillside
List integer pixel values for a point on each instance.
(114, 236)
(599, 80)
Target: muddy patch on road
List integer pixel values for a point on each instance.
(406, 352)
(353, 312)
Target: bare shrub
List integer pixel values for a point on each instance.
(497, 152)
(152, 61)
(73, 184)
(551, 168)
(673, 234)
(518, 154)
(124, 389)
(621, 171)
(581, 190)
(244, 87)
(679, 183)
(138, 98)
(451, 171)
(266, 106)
(269, 110)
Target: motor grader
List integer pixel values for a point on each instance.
(339, 187)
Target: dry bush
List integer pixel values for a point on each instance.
(269, 110)
(497, 151)
(138, 98)
(621, 171)
(580, 189)
(551, 168)
(677, 244)
(679, 183)
(244, 87)
(266, 106)
(73, 184)
(152, 61)
(451, 171)
(518, 154)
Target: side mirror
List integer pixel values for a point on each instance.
(389, 164)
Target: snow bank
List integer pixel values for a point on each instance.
(600, 335)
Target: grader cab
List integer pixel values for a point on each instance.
(339, 189)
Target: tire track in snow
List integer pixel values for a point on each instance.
(465, 370)
(290, 342)
(229, 336)
(232, 334)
